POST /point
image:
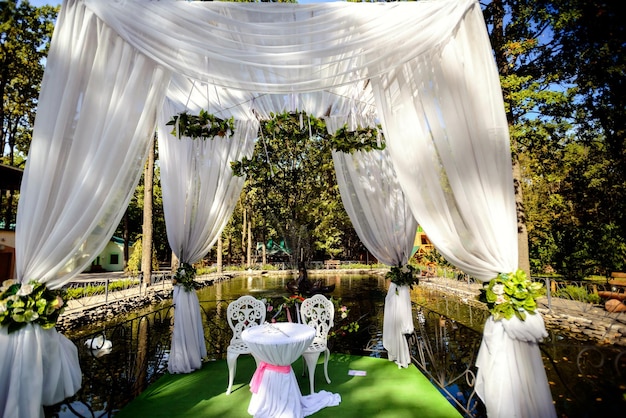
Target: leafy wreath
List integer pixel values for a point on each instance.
(32, 302)
(511, 294)
(203, 125)
(185, 275)
(403, 276)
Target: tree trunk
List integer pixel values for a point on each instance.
(523, 257)
(244, 228)
(146, 250)
(249, 252)
(220, 250)
(126, 240)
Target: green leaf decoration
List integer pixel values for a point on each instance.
(403, 276)
(363, 139)
(29, 303)
(511, 294)
(185, 276)
(203, 125)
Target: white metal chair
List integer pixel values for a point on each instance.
(242, 313)
(317, 312)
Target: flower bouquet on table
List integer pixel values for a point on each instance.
(185, 275)
(403, 276)
(511, 294)
(32, 302)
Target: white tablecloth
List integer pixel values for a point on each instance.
(278, 394)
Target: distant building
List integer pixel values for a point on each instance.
(111, 258)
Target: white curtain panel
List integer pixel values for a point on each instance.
(199, 195)
(88, 147)
(443, 116)
(383, 220)
(448, 139)
(436, 93)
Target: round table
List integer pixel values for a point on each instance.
(275, 390)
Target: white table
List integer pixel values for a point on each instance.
(275, 390)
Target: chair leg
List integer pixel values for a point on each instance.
(311, 362)
(231, 359)
(326, 355)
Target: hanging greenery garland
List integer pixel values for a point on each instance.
(203, 125)
(363, 139)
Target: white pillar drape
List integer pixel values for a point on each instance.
(88, 147)
(448, 140)
(385, 224)
(199, 195)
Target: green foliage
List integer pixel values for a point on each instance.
(32, 302)
(363, 139)
(577, 293)
(90, 290)
(134, 262)
(403, 276)
(185, 276)
(291, 189)
(203, 125)
(511, 294)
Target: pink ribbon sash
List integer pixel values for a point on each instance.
(258, 374)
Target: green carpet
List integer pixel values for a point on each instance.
(385, 391)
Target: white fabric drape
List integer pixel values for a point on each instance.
(510, 348)
(448, 139)
(199, 195)
(436, 94)
(85, 159)
(385, 224)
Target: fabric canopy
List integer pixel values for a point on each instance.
(424, 69)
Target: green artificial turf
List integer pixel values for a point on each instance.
(385, 391)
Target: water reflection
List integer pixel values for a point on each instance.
(585, 379)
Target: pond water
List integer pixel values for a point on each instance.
(586, 379)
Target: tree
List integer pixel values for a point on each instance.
(563, 81)
(25, 33)
(292, 190)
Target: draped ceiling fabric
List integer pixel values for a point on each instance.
(199, 195)
(424, 68)
(385, 224)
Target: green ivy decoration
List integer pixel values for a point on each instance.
(204, 125)
(185, 275)
(363, 139)
(511, 294)
(32, 302)
(403, 276)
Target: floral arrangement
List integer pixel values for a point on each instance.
(511, 294)
(32, 302)
(286, 310)
(185, 275)
(403, 276)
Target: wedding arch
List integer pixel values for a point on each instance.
(423, 70)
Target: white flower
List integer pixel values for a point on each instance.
(405, 269)
(25, 290)
(498, 289)
(344, 315)
(3, 307)
(500, 299)
(6, 284)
